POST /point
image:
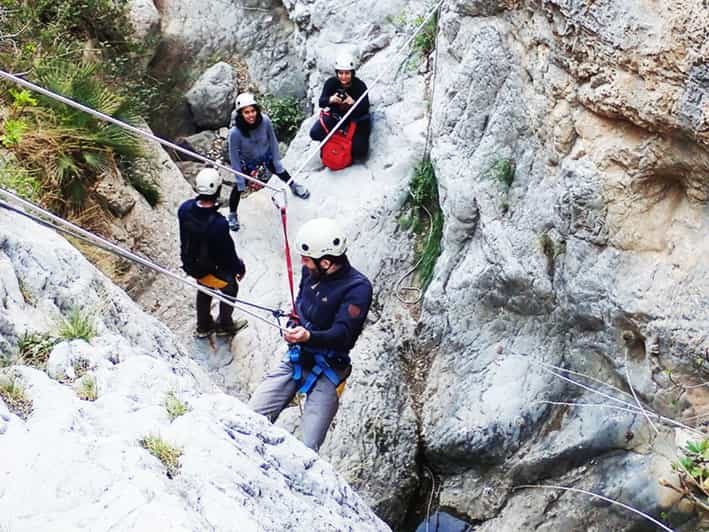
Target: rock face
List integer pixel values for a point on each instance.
(585, 261)
(257, 32)
(82, 460)
(211, 98)
(568, 141)
(145, 19)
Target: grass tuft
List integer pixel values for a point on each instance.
(175, 407)
(13, 393)
(77, 325)
(33, 349)
(87, 389)
(163, 451)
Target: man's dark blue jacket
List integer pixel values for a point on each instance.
(334, 308)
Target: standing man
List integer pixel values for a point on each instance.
(208, 254)
(332, 304)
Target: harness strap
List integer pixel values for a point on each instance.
(294, 356)
(351, 128)
(321, 367)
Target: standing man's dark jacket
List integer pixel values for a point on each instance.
(220, 246)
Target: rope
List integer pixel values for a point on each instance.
(289, 262)
(74, 230)
(135, 130)
(364, 94)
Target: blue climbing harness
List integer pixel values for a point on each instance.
(320, 367)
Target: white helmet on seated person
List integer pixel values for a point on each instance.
(320, 237)
(345, 61)
(208, 182)
(245, 99)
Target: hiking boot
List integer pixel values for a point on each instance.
(230, 329)
(233, 221)
(203, 332)
(299, 190)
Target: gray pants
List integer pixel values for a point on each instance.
(277, 390)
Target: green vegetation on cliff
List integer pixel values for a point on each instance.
(80, 49)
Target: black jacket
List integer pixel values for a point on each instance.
(220, 246)
(356, 89)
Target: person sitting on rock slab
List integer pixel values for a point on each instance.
(208, 254)
(332, 305)
(339, 94)
(252, 143)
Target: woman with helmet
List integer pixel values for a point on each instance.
(208, 254)
(252, 143)
(339, 94)
(332, 305)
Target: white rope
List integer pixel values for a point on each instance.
(635, 396)
(110, 246)
(632, 410)
(134, 130)
(364, 94)
(597, 496)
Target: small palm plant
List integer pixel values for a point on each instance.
(70, 146)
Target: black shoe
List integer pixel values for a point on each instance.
(203, 332)
(232, 328)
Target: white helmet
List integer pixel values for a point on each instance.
(345, 61)
(245, 99)
(320, 237)
(208, 181)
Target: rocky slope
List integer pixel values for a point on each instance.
(569, 139)
(70, 463)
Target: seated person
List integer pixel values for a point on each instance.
(339, 94)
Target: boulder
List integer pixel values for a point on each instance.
(211, 98)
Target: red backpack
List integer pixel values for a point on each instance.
(336, 154)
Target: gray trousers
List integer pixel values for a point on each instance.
(277, 390)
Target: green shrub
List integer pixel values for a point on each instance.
(13, 131)
(77, 325)
(175, 407)
(503, 171)
(163, 451)
(20, 181)
(33, 349)
(13, 393)
(425, 218)
(425, 40)
(77, 48)
(286, 115)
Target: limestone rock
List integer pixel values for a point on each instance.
(84, 462)
(261, 34)
(115, 194)
(145, 19)
(211, 98)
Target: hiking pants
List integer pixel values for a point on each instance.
(204, 304)
(360, 141)
(235, 195)
(278, 389)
